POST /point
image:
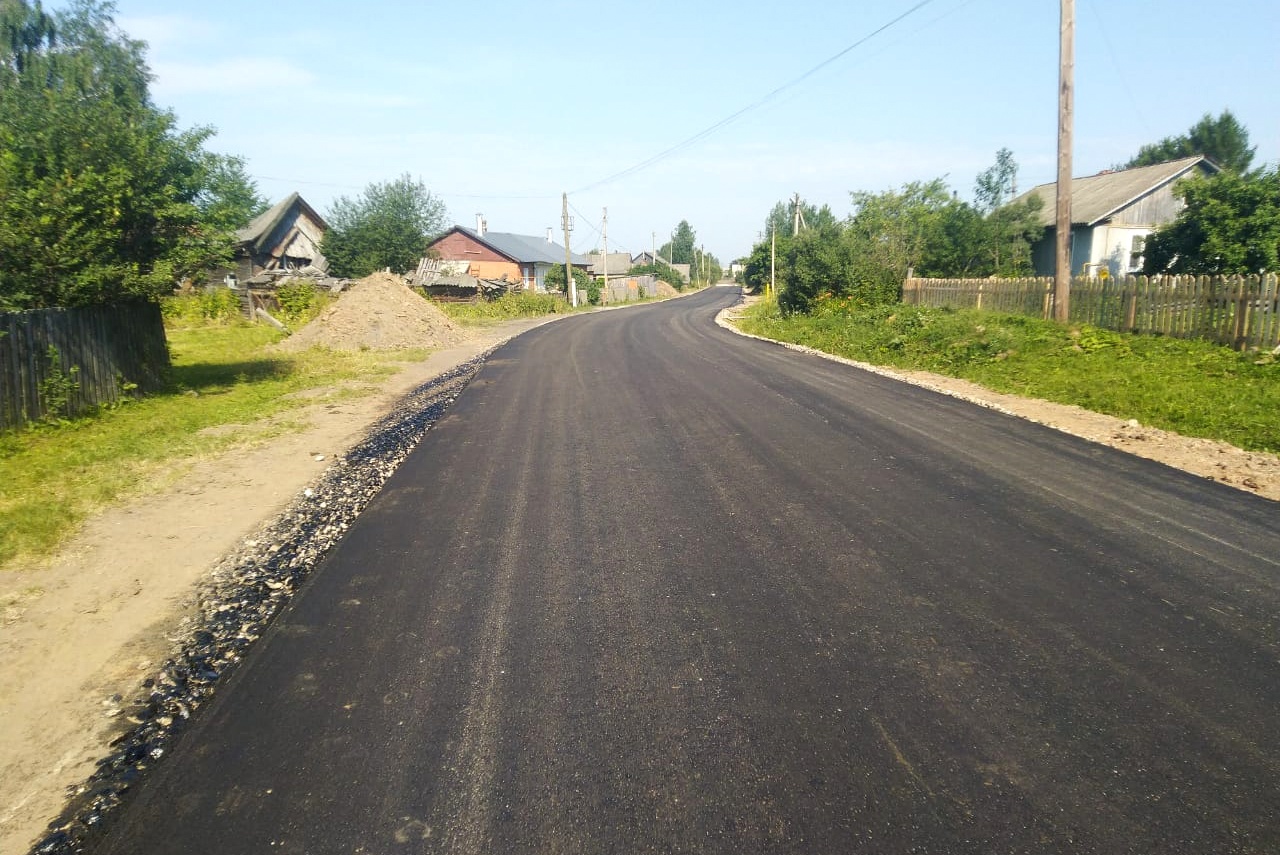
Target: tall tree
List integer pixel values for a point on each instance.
(1010, 227)
(783, 218)
(100, 193)
(681, 248)
(1231, 224)
(1223, 140)
(390, 225)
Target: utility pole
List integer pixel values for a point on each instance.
(773, 262)
(570, 288)
(799, 215)
(1066, 85)
(653, 246)
(604, 238)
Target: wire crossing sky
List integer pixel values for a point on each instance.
(499, 120)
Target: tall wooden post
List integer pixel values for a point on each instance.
(1066, 77)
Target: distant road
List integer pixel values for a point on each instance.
(652, 587)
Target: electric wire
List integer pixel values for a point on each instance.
(760, 102)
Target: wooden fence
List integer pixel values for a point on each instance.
(113, 349)
(1242, 311)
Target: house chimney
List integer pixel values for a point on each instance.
(549, 234)
(481, 225)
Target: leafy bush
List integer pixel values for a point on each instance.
(298, 299)
(521, 304)
(214, 305)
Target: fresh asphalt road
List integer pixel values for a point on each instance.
(652, 587)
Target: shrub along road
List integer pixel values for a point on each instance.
(692, 592)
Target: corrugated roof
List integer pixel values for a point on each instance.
(526, 249)
(1097, 197)
(265, 223)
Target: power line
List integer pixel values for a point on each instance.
(662, 155)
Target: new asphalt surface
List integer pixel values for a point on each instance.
(652, 587)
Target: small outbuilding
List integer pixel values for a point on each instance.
(285, 237)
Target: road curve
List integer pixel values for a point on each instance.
(652, 587)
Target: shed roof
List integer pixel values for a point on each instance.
(1097, 197)
(525, 249)
(265, 223)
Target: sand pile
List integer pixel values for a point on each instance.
(378, 312)
(665, 289)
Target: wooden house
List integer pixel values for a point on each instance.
(286, 237)
(1112, 213)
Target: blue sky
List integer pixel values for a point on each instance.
(501, 106)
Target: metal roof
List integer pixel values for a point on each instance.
(1097, 197)
(526, 249)
(618, 262)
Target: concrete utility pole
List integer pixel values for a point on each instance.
(604, 239)
(1066, 105)
(773, 261)
(570, 288)
(799, 215)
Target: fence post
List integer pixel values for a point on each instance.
(1130, 292)
(1047, 312)
(1241, 325)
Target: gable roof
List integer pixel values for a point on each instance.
(1097, 197)
(618, 263)
(265, 223)
(524, 249)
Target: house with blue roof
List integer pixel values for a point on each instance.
(517, 258)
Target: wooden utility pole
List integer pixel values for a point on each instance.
(570, 287)
(1066, 105)
(798, 217)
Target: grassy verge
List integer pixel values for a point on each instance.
(228, 389)
(1195, 388)
(508, 307)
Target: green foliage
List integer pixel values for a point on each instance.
(388, 225)
(593, 292)
(782, 219)
(211, 305)
(102, 199)
(520, 304)
(230, 199)
(298, 298)
(554, 280)
(1196, 388)
(57, 388)
(1231, 224)
(660, 271)
(1223, 140)
(680, 249)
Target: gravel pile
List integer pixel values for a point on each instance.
(247, 589)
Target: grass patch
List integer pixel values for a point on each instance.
(224, 375)
(507, 307)
(1195, 388)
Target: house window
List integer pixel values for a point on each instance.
(1136, 248)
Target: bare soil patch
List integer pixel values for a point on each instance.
(378, 312)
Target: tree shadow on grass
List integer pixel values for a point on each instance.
(209, 376)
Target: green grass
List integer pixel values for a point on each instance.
(224, 373)
(507, 307)
(1195, 388)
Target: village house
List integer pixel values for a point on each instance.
(615, 266)
(1112, 213)
(523, 259)
(285, 237)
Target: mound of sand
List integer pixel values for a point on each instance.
(378, 312)
(666, 290)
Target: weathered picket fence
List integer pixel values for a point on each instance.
(1242, 311)
(101, 353)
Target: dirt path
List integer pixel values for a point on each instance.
(80, 634)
